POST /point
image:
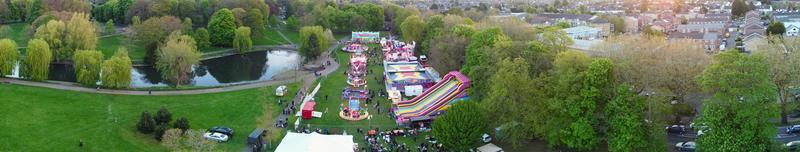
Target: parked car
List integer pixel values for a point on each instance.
(281, 90)
(686, 146)
(793, 130)
(676, 129)
(486, 138)
(223, 130)
(701, 128)
(215, 136)
(792, 145)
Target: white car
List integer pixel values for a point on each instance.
(686, 146)
(486, 138)
(215, 136)
(280, 91)
(792, 145)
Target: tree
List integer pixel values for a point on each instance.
(627, 131)
(242, 41)
(447, 52)
(176, 58)
(110, 27)
(238, 15)
(742, 105)
(187, 140)
(37, 60)
(152, 32)
(146, 123)
(222, 27)
(372, 13)
(509, 95)
(563, 85)
(580, 134)
(643, 5)
(255, 21)
(618, 23)
(475, 60)
(87, 66)
(182, 123)
(292, 23)
(461, 126)
(435, 26)
(412, 29)
(53, 34)
(202, 37)
(776, 28)
(8, 56)
(739, 8)
(116, 71)
(783, 58)
(556, 39)
(79, 35)
(311, 48)
(186, 25)
(184, 8)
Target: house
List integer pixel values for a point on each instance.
(753, 42)
(631, 24)
(710, 40)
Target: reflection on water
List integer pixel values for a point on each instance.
(253, 66)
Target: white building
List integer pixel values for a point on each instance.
(584, 33)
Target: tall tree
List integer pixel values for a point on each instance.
(563, 84)
(176, 58)
(447, 52)
(739, 8)
(459, 128)
(435, 26)
(413, 29)
(781, 54)
(580, 134)
(255, 20)
(742, 104)
(9, 55)
(311, 49)
(556, 39)
(116, 71)
(222, 27)
(776, 28)
(203, 39)
(80, 34)
(242, 41)
(626, 128)
(510, 95)
(37, 60)
(476, 60)
(53, 34)
(110, 27)
(87, 66)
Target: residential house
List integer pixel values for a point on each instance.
(710, 40)
(584, 33)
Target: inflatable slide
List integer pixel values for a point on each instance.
(430, 103)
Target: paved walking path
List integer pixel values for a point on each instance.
(307, 78)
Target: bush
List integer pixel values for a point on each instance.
(146, 123)
(182, 123)
(222, 27)
(163, 116)
(159, 131)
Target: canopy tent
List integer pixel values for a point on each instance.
(490, 148)
(314, 142)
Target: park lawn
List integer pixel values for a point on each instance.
(332, 86)
(109, 45)
(293, 36)
(271, 37)
(18, 33)
(41, 119)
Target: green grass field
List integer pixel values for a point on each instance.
(40, 119)
(109, 45)
(18, 33)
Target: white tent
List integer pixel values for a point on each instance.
(490, 148)
(314, 142)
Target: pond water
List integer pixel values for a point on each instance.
(233, 69)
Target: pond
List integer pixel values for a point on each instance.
(233, 69)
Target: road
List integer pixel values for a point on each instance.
(782, 137)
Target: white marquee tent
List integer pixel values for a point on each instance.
(314, 142)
